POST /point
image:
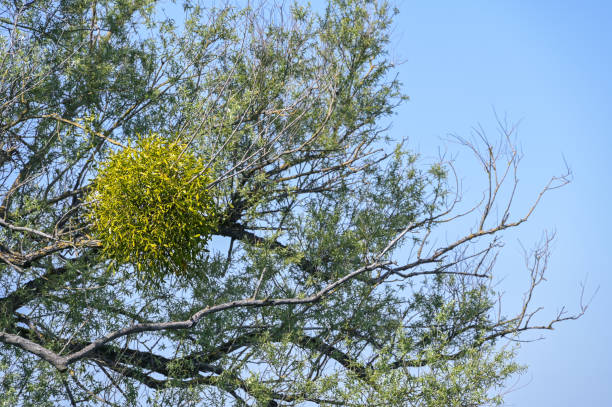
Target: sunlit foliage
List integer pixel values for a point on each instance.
(152, 206)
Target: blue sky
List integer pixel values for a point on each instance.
(547, 64)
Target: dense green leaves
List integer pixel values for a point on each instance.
(152, 206)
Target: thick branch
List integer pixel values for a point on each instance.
(195, 318)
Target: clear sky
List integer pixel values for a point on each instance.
(547, 64)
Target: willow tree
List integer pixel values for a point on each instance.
(210, 211)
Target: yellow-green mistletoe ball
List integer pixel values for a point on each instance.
(151, 207)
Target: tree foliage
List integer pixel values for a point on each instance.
(151, 207)
(326, 270)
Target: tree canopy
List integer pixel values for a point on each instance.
(202, 205)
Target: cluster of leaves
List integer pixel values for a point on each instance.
(151, 206)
